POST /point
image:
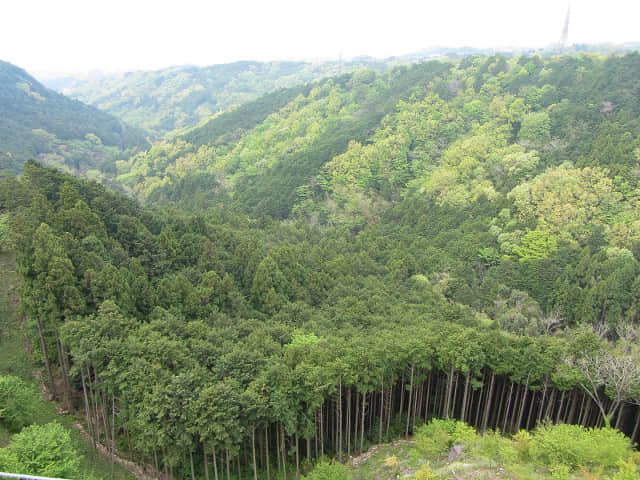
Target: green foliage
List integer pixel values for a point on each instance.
(498, 449)
(43, 450)
(436, 437)
(575, 446)
(38, 123)
(426, 473)
(19, 403)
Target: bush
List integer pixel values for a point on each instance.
(575, 446)
(436, 437)
(494, 447)
(18, 403)
(45, 450)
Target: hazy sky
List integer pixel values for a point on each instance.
(53, 37)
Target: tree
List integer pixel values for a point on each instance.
(613, 373)
(45, 450)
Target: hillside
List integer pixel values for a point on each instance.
(340, 264)
(179, 97)
(39, 123)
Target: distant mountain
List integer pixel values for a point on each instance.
(39, 123)
(181, 97)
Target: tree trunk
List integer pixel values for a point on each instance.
(487, 408)
(297, 458)
(206, 463)
(193, 475)
(228, 468)
(349, 422)
(215, 464)
(87, 411)
(467, 382)
(523, 402)
(113, 433)
(253, 452)
(355, 425)
(284, 458)
(381, 413)
(406, 433)
(339, 419)
(45, 354)
(508, 409)
(364, 397)
(266, 446)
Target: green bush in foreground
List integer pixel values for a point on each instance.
(436, 437)
(576, 446)
(18, 403)
(44, 450)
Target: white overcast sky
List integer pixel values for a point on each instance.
(55, 37)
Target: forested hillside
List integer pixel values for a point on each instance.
(39, 123)
(179, 97)
(335, 265)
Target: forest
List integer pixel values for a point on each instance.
(350, 262)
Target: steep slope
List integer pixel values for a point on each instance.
(178, 97)
(39, 123)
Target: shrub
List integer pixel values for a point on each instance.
(494, 447)
(18, 403)
(575, 446)
(45, 450)
(436, 437)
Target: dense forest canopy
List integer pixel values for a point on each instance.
(181, 97)
(333, 265)
(39, 123)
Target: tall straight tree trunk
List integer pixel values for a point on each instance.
(560, 408)
(551, 404)
(530, 415)
(428, 398)
(321, 435)
(544, 397)
(523, 402)
(206, 463)
(266, 448)
(215, 463)
(487, 408)
(193, 474)
(339, 418)
(388, 411)
(406, 433)
(364, 397)
(87, 411)
(297, 457)
(401, 395)
(572, 410)
(449, 392)
(381, 413)
(355, 425)
(283, 445)
(228, 468)
(476, 422)
(45, 354)
(253, 452)
(508, 409)
(455, 395)
(113, 434)
(467, 382)
(349, 422)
